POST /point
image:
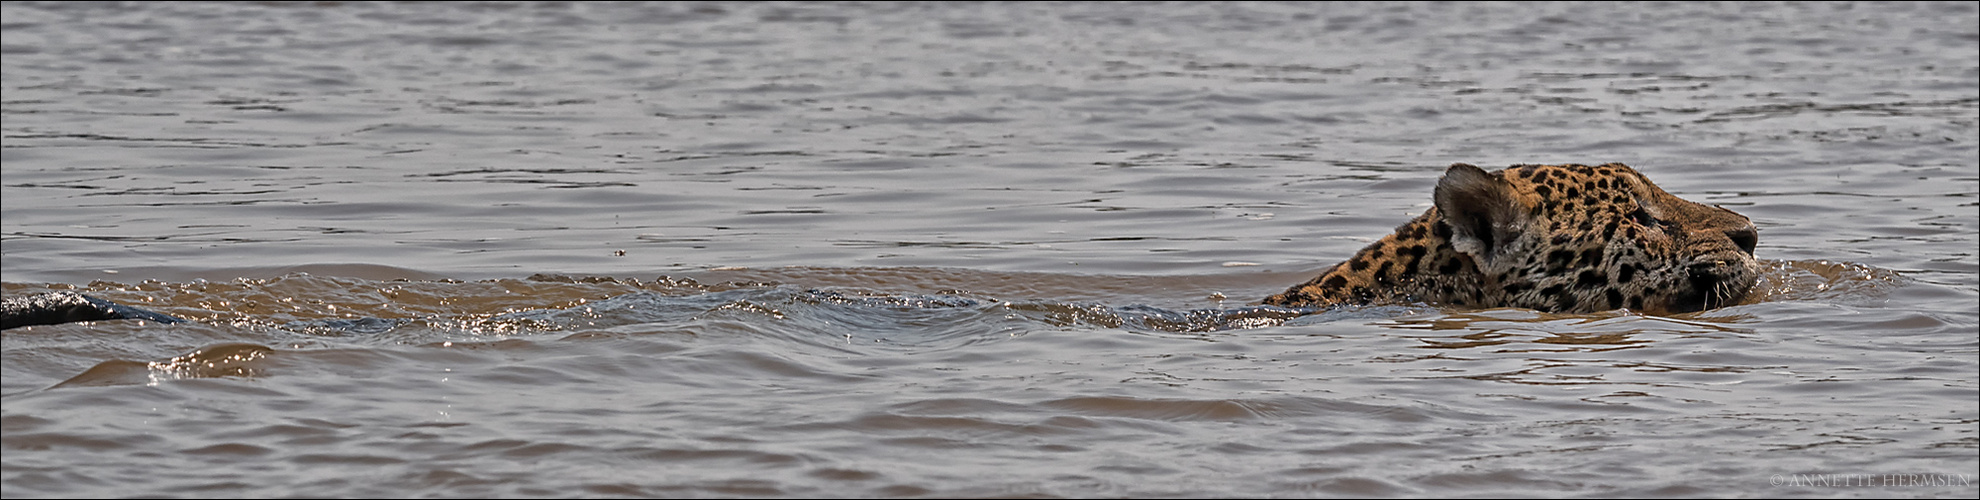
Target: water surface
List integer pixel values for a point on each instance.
(942, 250)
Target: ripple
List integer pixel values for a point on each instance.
(958, 249)
(222, 360)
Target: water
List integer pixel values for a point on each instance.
(881, 250)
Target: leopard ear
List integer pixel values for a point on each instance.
(1480, 210)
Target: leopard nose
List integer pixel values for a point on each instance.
(1745, 237)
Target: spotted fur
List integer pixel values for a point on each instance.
(1556, 238)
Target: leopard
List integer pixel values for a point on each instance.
(1565, 238)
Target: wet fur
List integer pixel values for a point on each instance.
(1557, 238)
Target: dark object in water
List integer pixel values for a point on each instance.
(68, 307)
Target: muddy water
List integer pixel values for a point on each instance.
(881, 250)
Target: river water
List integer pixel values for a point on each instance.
(460, 249)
